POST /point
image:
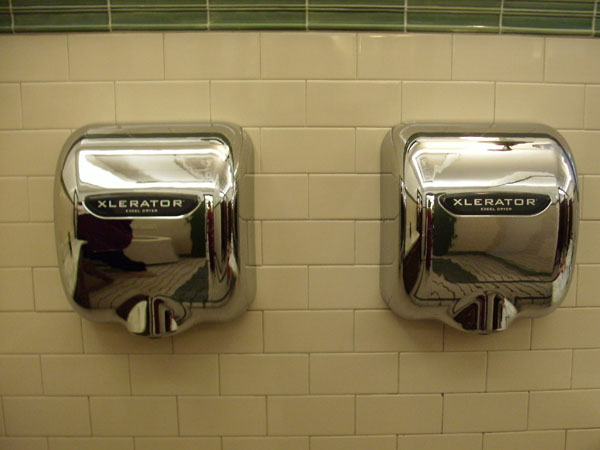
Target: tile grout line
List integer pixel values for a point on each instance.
(305, 15)
(109, 15)
(501, 18)
(208, 15)
(594, 17)
(12, 16)
(405, 16)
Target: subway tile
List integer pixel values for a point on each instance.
(94, 443)
(318, 242)
(114, 338)
(263, 374)
(40, 333)
(516, 337)
(440, 442)
(255, 243)
(368, 149)
(447, 101)
(14, 200)
(281, 288)
(527, 440)
(442, 372)
(310, 415)
(583, 145)
(308, 55)
(265, 443)
(398, 414)
(586, 366)
(222, 416)
(280, 196)
(344, 287)
(177, 443)
(258, 103)
(587, 277)
(367, 373)
(570, 299)
(591, 190)
(498, 58)
(48, 290)
(46, 416)
(41, 199)
(34, 58)
(572, 60)
(81, 375)
(153, 101)
(353, 103)
(174, 374)
(2, 430)
(16, 289)
(21, 375)
(203, 56)
(367, 244)
(383, 331)
(307, 150)
(10, 106)
(30, 152)
(353, 443)
(590, 252)
(582, 439)
(567, 328)
(24, 443)
(116, 56)
(592, 107)
(465, 413)
(344, 196)
(67, 105)
(551, 410)
(27, 244)
(529, 370)
(404, 56)
(133, 416)
(551, 104)
(308, 331)
(242, 335)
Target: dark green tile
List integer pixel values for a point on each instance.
(60, 15)
(548, 17)
(261, 14)
(5, 20)
(454, 15)
(356, 15)
(158, 15)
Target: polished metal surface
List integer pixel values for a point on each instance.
(479, 223)
(150, 226)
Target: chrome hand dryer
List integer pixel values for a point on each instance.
(479, 223)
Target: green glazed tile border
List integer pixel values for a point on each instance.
(566, 17)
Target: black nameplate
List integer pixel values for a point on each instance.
(494, 204)
(140, 205)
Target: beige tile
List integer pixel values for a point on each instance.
(281, 288)
(550, 410)
(264, 374)
(255, 243)
(114, 338)
(69, 443)
(572, 60)
(46, 416)
(163, 101)
(404, 56)
(214, 55)
(529, 440)
(590, 252)
(567, 328)
(16, 290)
(368, 373)
(308, 55)
(586, 365)
(524, 102)
(587, 278)
(353, 103)
(280, 196)
(344, 287)
(308, 331)
(310, 415)
(447, 101)
(30, 152)
(41, 199)
(583, 439)
(242, 335)
(367, 244)
(529, 370)
(440, 442)
(583, 145)
(344, 196)
(222, 416)
(265, 443)
(174, 374)
(442, 372)
(368, 149)
(496, 58)
(23, 443)
(133, 416)
(177, 443)
(40, 333)
(253, 135)
(464, 413)
(383, 331)
(397, 414)
(591, 190)
(353, 443)
(85, 375)
(592, 107)
(318, 242)
(10, 106)
(307, 150)
(48, 290)
(14, 200)
(516, 337)
(67, 105)
(21, 375)
(570, 299)
(27, 245)
(116, 56)
(2, 430)
(258, 103)
(34, 58)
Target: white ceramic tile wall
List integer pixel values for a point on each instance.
(319, 362)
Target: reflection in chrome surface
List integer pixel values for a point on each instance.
(479, 223)
(148, 225)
